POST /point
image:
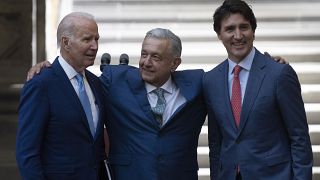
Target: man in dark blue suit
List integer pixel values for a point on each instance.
(144, 145)
(256, 118)
(60, 135)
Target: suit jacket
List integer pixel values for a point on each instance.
(53, 139)
(272, 141)
(139, 149)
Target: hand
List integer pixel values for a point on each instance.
(278, 59)
(37, 68)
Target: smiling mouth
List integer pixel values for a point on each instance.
(238, 44)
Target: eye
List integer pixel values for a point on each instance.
(144, 55)
(245, 27)
(156, 58)
(229, 29)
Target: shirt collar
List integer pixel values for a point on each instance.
(168, 86)
(68, 69)
(245, 63)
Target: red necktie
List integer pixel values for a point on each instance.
(236, 95)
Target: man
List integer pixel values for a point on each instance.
(62, 112)
(256, 119)
(144, 146)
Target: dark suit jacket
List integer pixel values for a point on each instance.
(272, 141)
(54, 140)
(139, 149)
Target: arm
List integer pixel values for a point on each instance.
(33, 113)
(293, 113)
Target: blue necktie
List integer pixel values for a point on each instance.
(158, 110)
(85, 102)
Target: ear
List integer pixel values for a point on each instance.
(176, 63)
(65, 42)
(219, 37)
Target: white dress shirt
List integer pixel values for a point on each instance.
(244, 73)
(71, 73)
(174, 99)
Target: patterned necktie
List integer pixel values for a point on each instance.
(85, 102)
(160, 106)
(236, 95)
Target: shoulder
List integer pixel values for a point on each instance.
(219, 69)
(110, 71)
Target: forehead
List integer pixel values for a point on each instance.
(234, 19)
(86, 27)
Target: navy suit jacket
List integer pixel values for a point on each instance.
(139, 149)
(272, 141)
(53, 139)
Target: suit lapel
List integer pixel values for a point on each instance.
(64, 82)
(70, 94)
(137, 86)
(254, 83)
(187, 89)
(225, 85)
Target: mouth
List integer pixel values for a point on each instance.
(91, 56)
(147, 71)
(238, 44)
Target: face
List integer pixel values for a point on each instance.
(237, 36)
(156, 61)
(82, 47)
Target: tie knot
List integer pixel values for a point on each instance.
(236, 70)
(79, 78)
(159, 92)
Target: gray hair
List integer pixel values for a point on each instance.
(175, 42)
(68, 24)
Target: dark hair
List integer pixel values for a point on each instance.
(232, 7)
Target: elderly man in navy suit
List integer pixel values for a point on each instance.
(146, 143)
(62, 111)
(256, 118)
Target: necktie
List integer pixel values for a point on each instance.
(236, 95)
(160, 106)
(85, 102)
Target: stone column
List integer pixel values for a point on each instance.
(16, 52)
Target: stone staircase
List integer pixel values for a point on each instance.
(286, 28)
(289, 28)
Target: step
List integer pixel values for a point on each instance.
(311, 93)
(314, 132)
(204, 173)
(203, 156)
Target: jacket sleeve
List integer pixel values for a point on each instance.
(293, 113)
(33, 116)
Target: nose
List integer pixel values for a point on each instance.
(94, 45)
(146, 61)
(237, 34)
